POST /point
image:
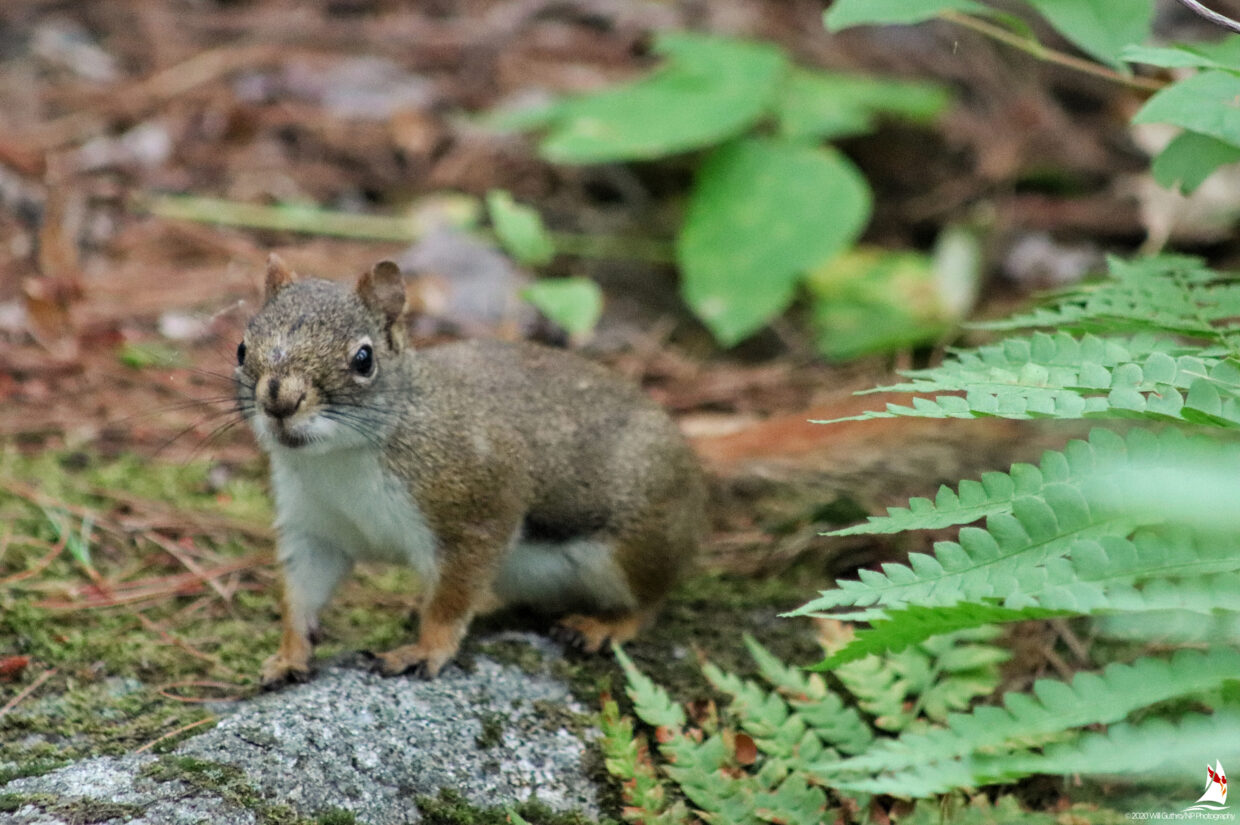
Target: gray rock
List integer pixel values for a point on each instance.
(347, 740)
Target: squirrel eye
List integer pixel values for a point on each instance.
(241, 354)
(363, 362)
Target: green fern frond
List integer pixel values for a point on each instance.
(1173, 627)
(1154, 747)
(1170, 294)
(995, 492)
(1158, 570)
(707, 773)
(776, 730)
(1154, 374)
(836, 724)
(1093, 466)
(1007, 557)
(940, 675)
(1060, 376)
(1053, 707)
(899, 628)
(650, 701)
(1212, 595)
(1059, 551)
(627, 761)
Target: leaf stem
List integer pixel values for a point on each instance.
(1041, 52)
(317, 221)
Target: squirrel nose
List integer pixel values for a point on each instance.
(281, 405)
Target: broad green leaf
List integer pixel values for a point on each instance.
(1171, 57)
(710, 89)
(1205, 103)
(1100, 27)
(845, 13)
(871, 300)
(573, 303)
(520, 229)
(1190, 158)
(816, 104)
(761, 214)
(1223, 54)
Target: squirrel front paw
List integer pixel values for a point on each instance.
(414, 659)
(280, 670)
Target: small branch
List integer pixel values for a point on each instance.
(173, 733)
(1213, 16)
(1041, 52)
(29, 689)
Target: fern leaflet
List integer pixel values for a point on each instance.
(1156, 746)
(1053, 707)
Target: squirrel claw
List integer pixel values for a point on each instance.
(399, 662)
(591, 634)
(276, 673)
(567, 636)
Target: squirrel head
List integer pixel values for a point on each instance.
(318, 359)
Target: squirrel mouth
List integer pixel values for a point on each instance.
(287, 437)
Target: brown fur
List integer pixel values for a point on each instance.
(492, 441)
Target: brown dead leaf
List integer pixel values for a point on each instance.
(663, 734)
(833, 634)
(12, 666)
(746, 749)
(49, 303)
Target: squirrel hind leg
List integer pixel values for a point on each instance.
(591, 633)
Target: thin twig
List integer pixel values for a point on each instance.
(171, 548)
(39, 566)
(152, 588)
(1071, 640)
(1033, 47)
(1211, 15)
(182, 518)
(162, 690)
(173, 733)
(32, 494)
(29, 689)
(176, 641)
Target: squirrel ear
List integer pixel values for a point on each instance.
(382, 290)
(278, 275)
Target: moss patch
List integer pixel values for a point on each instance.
(125, 664)
(492, 730)
(79, 810)
(229, 783)
(36, 767)
(450, 808)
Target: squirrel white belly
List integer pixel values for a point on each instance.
(502, 473)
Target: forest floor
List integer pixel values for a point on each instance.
(136, 539)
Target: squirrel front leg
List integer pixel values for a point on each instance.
(469, 560)
(310, 570)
